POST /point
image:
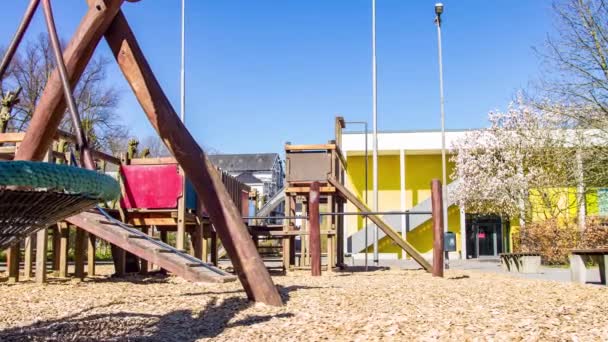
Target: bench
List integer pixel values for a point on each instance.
(579, 259)
(522, 262)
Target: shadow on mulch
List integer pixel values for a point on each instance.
(459, 277)
(178, 325)
(358, 269)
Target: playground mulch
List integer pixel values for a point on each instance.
(382, 305)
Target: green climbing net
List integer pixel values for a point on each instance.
(60, 178)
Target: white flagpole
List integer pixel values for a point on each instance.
(375, 128)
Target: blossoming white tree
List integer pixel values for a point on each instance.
(525, 157)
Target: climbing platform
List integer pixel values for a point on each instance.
(150, 249)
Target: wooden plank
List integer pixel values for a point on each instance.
(64, 239)
(7, 150)
(306, 189)
(201, 172)
(145, 249)
(106, 157)
(392, 234)
(41, 249)
(11, 137)
(151, 221)
(289, 233)
(153, 161)
(312, 147)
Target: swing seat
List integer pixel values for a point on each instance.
(34, 195)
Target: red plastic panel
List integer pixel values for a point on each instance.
(150, 186)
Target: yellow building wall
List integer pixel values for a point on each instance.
(419, 171)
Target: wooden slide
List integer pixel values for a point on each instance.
(150, 249)
(392, 234)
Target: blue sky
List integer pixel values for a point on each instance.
(260, 73)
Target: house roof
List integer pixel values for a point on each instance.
(248, 178)
(244, 162)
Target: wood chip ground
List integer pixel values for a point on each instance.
(391, 305)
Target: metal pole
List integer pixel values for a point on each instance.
(86, 157)
(12, 48)
(442, 109)
(183, 65)
(375, 128)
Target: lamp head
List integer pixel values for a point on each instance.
(438, 8)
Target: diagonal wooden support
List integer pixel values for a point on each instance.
(206, 180)
(51, 107)
(406, 246)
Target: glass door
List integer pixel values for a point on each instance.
(486, 240)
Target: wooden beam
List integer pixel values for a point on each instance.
(312, 147)
(200, 171)
(51, 106)
(41, 248)
(306, 189)
(153, 161)
(11, 137)
(392, 234)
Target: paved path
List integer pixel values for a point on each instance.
(492, 266)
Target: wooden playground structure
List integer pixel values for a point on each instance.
(198, 203)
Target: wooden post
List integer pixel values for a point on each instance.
(437, 213)
(286, 241)
(27, 259)
(331, 237)
(197, 241)
(143, 263)
(120, 256)
(51, 106)
(41, 248)
(12, 263)
(181, 216)
(91, 255)
(79, 250)
(314, 197)
(56, 242)
(213, 248)
(64, 233)
(204, 244)
(304, 239)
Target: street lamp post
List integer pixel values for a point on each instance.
(438, 12)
